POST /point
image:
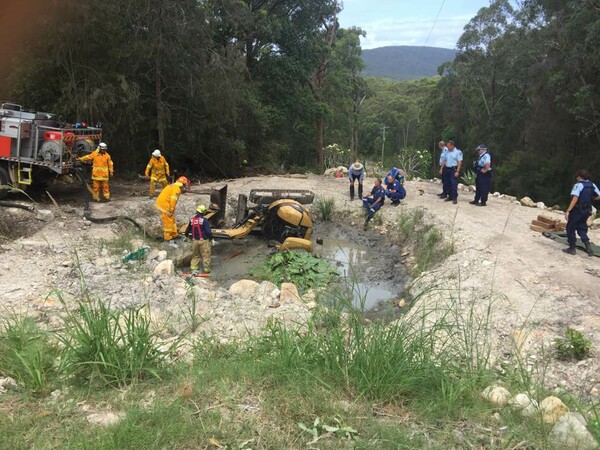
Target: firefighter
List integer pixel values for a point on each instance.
(102, 169)
(202, 239)
(158, 170)
(166, 204)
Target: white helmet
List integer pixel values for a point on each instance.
(156, 153)
(103, 146)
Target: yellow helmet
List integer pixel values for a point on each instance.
(201, 209)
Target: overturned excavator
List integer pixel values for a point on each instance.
(276, 214)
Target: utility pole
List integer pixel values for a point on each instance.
(383, 128)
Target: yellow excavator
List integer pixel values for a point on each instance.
(277, 214)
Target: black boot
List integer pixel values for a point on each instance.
(360, 190)
(571, 250)
(366, 223)
(588, 248)
(352, 192)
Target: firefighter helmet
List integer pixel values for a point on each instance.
(156, 153)
(201, 209)
(185, 182)
(103, 146)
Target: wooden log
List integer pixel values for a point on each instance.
(538, 229)
(544, 225)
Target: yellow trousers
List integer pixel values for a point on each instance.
(98, 185)
(169, 226)
(162, 181)
(200, 251)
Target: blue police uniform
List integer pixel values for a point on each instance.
(356, 171)
(452, 159)
(398, 194)
(585, 191)
(395, 173)
(444, 177)
(483, 181)
(369, 202)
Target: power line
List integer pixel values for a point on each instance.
(435, 22)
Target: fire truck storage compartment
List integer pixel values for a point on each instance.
(5, 146)
(10, 127)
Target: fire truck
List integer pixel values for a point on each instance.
(37, 147)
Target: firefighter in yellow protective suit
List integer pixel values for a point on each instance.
(166, 204)
(158, 170)
(102, 169)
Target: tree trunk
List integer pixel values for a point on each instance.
(160, 116)
(320, 129)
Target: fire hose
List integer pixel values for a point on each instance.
(17, 205)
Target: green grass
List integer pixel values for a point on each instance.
(325, 208)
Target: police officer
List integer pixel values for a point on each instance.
(580, 208)
(483, 168)
(444, 149)
(451, 169)
(356, 171)
(394, 190)
(202, 239)
(373, 202)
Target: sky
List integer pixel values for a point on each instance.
(409, 22)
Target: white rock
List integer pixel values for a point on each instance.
(496, 194)
(570, 432)
(243, 288)
(471, 188)
(540, 205)
(7, 384)
(266, 293)
(525, 404)
(104, 419)
(162, 255)
(596, 223)
(289, 293)
(497, 395)
(165, 267)
(552, 409)
(526, 201)
(44, 215)
(153, 255)
(461, 187)
(487, 263)
(510, 198)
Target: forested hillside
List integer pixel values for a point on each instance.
(275, 81)
(405, 62)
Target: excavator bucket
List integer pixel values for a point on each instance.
(268, 196)
(218, 203)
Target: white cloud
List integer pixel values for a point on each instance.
(408, 31)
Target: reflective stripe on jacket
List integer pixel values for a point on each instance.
(158, 167)
(102, 165)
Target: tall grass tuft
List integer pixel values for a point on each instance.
(326, 207)
(27, 353)
(114, 346)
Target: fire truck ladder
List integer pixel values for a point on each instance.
(24, 174)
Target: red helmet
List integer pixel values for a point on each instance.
(185, 182)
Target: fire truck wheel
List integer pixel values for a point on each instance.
(4, 182)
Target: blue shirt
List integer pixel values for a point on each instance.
(443, 155)
(378, 192)
(199, 228)
(578, 188)
(484, 159)
(352, 173)
(393, 186)
(453, 157)
(395, 173)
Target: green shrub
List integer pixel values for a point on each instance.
(115, 346)
(468, 178)
(574, 345)
(326, 207)
(27, 353)
(303, 269)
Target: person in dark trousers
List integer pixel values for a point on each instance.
(451, 169)
(394, 190)
(356, 171)
(373, 202)
(202, 239)
(444, 149)
(483, 168)
(580, 208)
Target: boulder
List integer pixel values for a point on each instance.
(526, 201)
(104, 419)
(596, 223)
(162, 255)
(496, 194)
(540, 205)
(7, 384)
(552, 409)
(289, 293)
(45, 215)
(570, 432)
(497, 395)
(243, 288)
(461, 187)
(266, 293)
(525, 404)
(153, 255)
(165, 267)
(334, 170)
